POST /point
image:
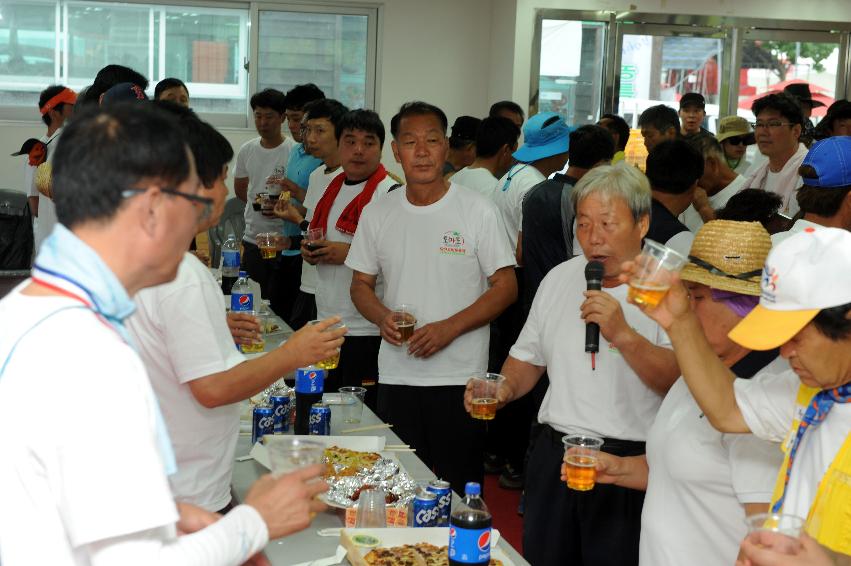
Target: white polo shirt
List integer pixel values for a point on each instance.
(334, 282)
(80, 460)
(181, 332)
(700, 480)
(610, 401)
(438, 258)
(769, 405)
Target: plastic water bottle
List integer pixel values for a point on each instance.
(230, 263)
(241, 296)
(470, 530)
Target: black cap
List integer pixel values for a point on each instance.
(123, 92)
(692, 99)
(465, 128)
(801, 91)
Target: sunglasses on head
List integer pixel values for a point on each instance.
(735, 140)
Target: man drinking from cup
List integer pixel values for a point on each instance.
(616, 402)
(805, 309)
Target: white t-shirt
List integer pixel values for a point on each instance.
(692, 219)
(182, 334)
(80, 460)
(479, 179)
(438, 258)
(258, 163)
(319, 181)
(611, 401)
(509, 193)
(700, 480)
(769, 404)
(799, 226)
(743, 166)
(334, 282)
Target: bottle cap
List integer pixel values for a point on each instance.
(472, 488)
(243, 274)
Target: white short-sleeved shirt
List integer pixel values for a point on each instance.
(769, 404)
(479, 179)
(182, 334)
(692, 219)
(509, 193)
(319, 181)
(80, 460)
(799, 226)
(438, 258)
(258, 163)
(610, 401)
(700, 481)
(334, 282)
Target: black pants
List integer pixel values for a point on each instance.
(433, 421)
(358, 361)
(259, 269)
(564, 527)
(304, 310)
(283, 286)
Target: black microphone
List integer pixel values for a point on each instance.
(594, 278)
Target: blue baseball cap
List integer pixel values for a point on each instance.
(123, 92)
(831, 160)
(544, 135)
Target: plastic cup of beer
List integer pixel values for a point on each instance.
(783, 531)
(581, 460)
(259, 345)
(288, 454)
(351, 403)
(655, 268)
(333, 361)
(267, 241)
(405, 319)
(485, 387)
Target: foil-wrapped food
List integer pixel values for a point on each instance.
(345, 486)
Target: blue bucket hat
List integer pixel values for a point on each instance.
(831, 160)
(544, 135)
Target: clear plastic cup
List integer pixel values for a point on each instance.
(654, 270)
(288, 454)
(258, 345)
(581, 460)
(777, 531)
(485, 387)
(406, 320)
(372, 509)
(267, 242)
(333, 361)
(351, 403)
(312, 236)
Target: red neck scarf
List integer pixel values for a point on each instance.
(348, 221)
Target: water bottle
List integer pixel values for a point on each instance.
(470, 530)
(241, 296)
(230, 263)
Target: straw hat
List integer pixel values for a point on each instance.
(728, 256)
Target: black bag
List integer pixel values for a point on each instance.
(16, 231)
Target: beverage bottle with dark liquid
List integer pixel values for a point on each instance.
(309, 385)
(470, 530)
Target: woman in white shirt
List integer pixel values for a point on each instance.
(700, 483)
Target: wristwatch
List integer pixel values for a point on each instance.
(305, 224)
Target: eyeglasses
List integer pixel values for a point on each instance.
(735, 141)
(771, 124)
(205, 202)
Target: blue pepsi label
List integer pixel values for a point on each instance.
(242, 302)
(469, 546)
(230, 258)
(309, 380)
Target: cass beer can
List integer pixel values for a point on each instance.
(320, 419)
(444, 500)
(425, 510)
(280, 401)
(262, 423)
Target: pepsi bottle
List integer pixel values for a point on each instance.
(470, 530)
(309, 385)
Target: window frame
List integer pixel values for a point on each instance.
(248, 44)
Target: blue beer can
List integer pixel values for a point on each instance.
(280, 401)
(310, 380)
(443, 492)
(320, 419)
(425, 510)
(262, 423)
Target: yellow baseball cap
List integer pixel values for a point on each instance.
(804, 274)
